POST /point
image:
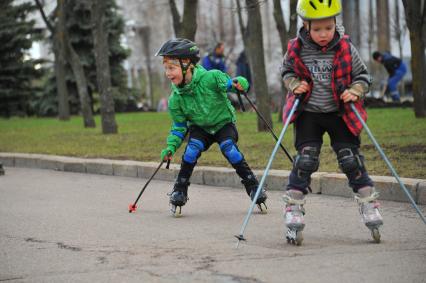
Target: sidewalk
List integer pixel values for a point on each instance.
(322, 183)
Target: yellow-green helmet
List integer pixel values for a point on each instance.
(318, 9)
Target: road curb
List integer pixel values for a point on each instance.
(324, 183)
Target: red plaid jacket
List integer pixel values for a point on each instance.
(340, 80)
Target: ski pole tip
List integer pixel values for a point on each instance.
(240, 238)
(132, 208)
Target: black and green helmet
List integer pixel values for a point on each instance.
(180, 48)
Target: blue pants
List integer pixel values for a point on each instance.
(394, 80)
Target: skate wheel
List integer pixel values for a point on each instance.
(375, 233)
(263, 208)
(299, 238)
(294, 237)
(176, 211)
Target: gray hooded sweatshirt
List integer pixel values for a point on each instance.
(320, 65)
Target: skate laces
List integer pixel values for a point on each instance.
(289, 200)
(370, 198)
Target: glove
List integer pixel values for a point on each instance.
(168, 150)
(293, 83)
(242, 82)
(358, 89)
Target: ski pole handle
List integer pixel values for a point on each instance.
(169, 158)
(240, 100)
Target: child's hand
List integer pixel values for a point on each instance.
(354, 93)
(302, 88)
(240, 84)
(167, 153)
(348, 97)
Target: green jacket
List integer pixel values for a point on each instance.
(203, 102)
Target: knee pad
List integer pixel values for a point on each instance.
(193, 150)
(306, 162)
(230, 150)
(350, 162)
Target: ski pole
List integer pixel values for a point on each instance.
(132, 207)
(240, 100)
(240, 237)
(401, 184)
(267, 124)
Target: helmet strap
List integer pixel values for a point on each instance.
(182, 83)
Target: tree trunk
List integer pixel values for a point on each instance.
(293, 19)
(82, 88)
(221, 21)
(280, 24)
(79, 75)
(103, 73)
(284, 38)
(398, 35)
(187, 27)
(255, 51)
(370, 34)
(383, 31)
(282, 31)
(357, 29)
(415, 14)
(75, 62)
(268, 28)
(144, 33)
(350, 20)
(60, 62)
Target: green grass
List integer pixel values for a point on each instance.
(142, 136)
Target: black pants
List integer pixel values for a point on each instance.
(309, 130)
(229, 131)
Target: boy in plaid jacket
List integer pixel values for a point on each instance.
(324, 70)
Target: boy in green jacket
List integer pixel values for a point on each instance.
(199, 105)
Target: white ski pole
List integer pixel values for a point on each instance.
(401, 184)
(240, 237)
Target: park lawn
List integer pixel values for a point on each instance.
(143, 135)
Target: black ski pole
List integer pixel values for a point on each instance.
(132, 207)
(269, 127)
(240, 100)
(379, 149)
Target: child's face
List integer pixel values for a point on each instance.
(173, 73)
(322, 31)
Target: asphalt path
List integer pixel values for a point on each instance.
(71, 227)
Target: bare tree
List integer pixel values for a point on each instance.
(187, 26)
(253, 42)
(415, 15)
(144, 33)
(221, 21)
(74, 60)
(103, 73)
(383, 30)
(284, 38)
(399, 35)
(370, 32)
(351, 12)
(59, 62)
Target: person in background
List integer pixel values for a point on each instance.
(215, 60)
(396, 69)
